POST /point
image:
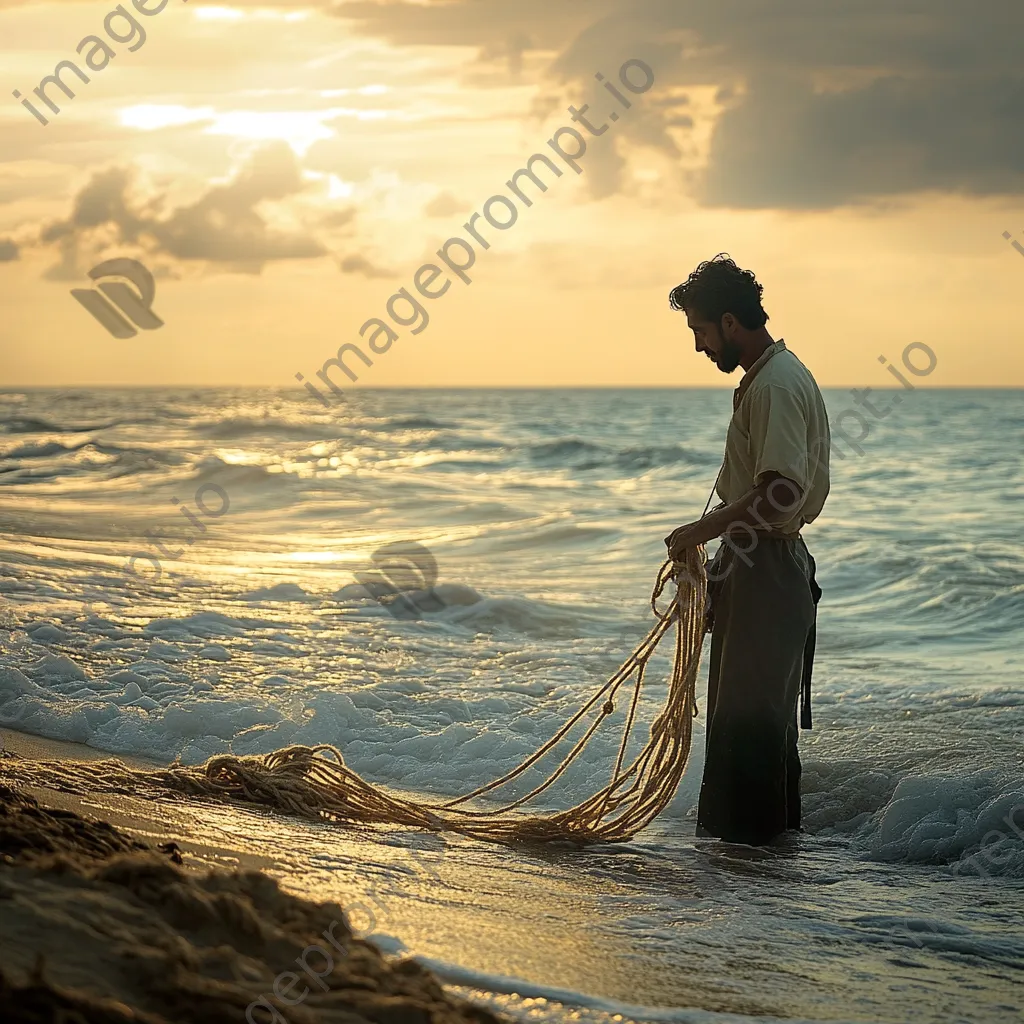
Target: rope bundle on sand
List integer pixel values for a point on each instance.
(315, 782)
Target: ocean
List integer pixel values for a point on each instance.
(432, 580)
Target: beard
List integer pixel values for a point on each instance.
(729, 357)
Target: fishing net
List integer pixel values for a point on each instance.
(315, 782)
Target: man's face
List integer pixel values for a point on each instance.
(708, 338)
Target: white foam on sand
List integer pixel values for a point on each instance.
(529, 1002)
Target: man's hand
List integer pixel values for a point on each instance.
(743, 512)
(683, 538)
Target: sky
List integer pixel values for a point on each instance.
(284, 170)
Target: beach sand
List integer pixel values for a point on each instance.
(545, 934)
(100, 926)
(152, 823)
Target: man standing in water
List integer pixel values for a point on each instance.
(774, 480)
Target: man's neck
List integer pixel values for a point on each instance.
(759, 343)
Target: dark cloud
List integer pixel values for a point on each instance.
(224, 225)
(358, 264)
(8, 250)
(827, 103)
(500, 31)
(896, 135)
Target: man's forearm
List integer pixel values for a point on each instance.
(754, 509)
(716, 523)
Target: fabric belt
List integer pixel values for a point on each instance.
(805, 682)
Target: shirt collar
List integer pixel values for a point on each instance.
(747, 379)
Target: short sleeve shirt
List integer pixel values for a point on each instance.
(779, 424)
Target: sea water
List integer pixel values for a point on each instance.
(191, 572)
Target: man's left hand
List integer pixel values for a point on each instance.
(681, 539)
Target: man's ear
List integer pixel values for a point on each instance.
(727, 325)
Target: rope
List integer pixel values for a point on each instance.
(315, 782)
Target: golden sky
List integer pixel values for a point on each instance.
(284, 169)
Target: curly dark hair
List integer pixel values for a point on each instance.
(718, 287)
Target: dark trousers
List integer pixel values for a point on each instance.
(763, 611)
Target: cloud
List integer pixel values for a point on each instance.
(896, 135)
(8, 250)
(358, 264)
(819, 104)
(444, 204)
(500, 31)
(825, 103)
(225, 225)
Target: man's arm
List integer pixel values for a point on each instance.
(778, 420)
(764, 506)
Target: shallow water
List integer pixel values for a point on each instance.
(545, 512)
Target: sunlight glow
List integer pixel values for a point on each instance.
(299, 128)
(151, 116)
(233, 14)
(338, 189)
(325, 557)
(218, 14)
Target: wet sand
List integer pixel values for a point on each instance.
(153, 822)
(103, 928)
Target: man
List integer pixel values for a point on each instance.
(774, 480)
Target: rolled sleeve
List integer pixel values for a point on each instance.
(778, 435)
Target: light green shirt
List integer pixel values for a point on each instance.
(778, 424)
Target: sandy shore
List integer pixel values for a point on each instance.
(151, 822)
(111, 923)
(453, 901)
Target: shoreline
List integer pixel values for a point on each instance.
(153, 822)
(105, 925)
(650, 930)
(438, 898)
